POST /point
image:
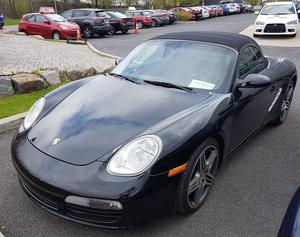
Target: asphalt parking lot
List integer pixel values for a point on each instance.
(251, 192)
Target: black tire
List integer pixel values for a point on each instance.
(88, 31)
(112, 31)
(285, 105)
(184, 204)
(154, 24)
(24, 31)
(56, 35)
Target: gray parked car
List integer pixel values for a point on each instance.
(91, 20)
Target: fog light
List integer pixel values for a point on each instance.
(94, 203)
(291, 30)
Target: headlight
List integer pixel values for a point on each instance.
(259, 23)
(33, 113)
(64, 27)
(292, 22)
(136, 156)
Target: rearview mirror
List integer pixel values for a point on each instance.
(254, 81)
(118, 61)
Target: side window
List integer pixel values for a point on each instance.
(137, 13)
(67, 15)
(30, 18)
(251, 60)
(80, 13)
(40, 19)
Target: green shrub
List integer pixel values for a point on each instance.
(183, 16)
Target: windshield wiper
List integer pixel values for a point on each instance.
(122, 77)
(169, 85)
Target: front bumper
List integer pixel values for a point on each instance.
(275, 29)
(69, 34)
(48, 182)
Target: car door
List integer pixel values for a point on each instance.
(43, 26)
(250, 104)
(30, 25)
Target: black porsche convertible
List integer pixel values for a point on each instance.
(147, 139)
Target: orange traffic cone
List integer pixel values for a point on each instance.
(136, 30)
(78, 37)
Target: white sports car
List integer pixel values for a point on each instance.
(277, 18)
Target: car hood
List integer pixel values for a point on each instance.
(277, 18)
(68, 24)
(102, 115)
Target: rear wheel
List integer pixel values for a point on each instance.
(196, 182)
(56, 35)
(285, 105)
(88, 32)
(112, 31)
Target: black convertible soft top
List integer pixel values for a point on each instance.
(232, 40)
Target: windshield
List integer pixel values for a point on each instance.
(280, 9)
(55, 18)
(190, 64)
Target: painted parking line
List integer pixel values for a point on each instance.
(275, 41)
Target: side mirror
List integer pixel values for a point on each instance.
(256, 12)
(118, 61)
(254, 81)
(47, 22)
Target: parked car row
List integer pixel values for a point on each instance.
(92, 21)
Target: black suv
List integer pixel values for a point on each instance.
(91, 21)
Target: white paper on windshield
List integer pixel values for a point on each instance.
(202, 85)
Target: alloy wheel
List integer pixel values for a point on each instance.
(286, 102)
(203, 175)
(88, 32)
(56, 36)
(140, 25)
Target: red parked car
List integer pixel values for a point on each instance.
(48, 25)
(142, 18)
(211, 12)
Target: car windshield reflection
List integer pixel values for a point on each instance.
(188, 64)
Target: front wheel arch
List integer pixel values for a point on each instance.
(182, 197)
(294, 79)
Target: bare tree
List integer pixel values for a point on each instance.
(12, 7)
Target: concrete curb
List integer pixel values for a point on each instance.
(91, 47)
(11, 122)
